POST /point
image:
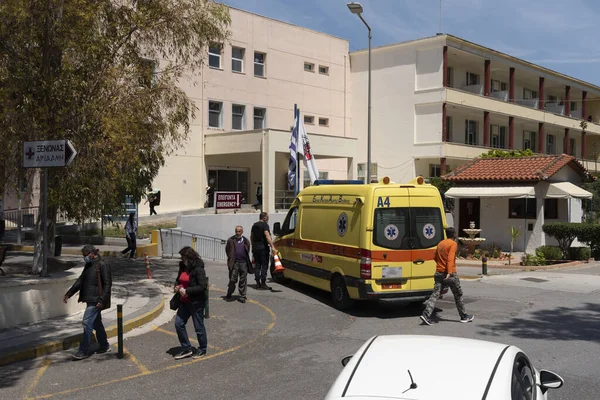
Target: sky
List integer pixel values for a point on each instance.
(558, 34)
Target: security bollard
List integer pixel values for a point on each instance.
(206, 300)
(484, 265)
(120, 329)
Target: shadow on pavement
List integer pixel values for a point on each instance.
(562, 323)
(362, 309)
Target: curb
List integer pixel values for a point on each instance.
(524, 267)
(73, 340)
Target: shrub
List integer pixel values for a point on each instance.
(590, 235)
(564, 233)
(491, 250)
(533, 260)
(550, 252)
(580, 253)
(463, 251)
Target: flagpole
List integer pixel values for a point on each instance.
(297, 119)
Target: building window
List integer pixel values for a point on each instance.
(499, 86)
(529, 140)
(573, 106)
(552, 99)
(551, 209)
(498, 136)
(237, 117)
(472, 79)
(310, 67)
(260, 115)
(237, 59)
(550, 144)
(529, 94)
(309, 119)
(572, 150)
(214, 55)
(259, 64)
(450, 77)
(516, 208)
(434, 170)
(323, 70)
(362, 171)
(471, 132)
(449, 129)
(324, 121)
(306, 177)
(215, 114)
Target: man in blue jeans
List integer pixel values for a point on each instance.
(93, 286)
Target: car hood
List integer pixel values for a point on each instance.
(439, 365)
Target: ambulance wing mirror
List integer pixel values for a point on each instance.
(277, 228)
(359, 201)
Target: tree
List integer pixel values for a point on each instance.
(104, 74)
(514, 234)
(508, 153)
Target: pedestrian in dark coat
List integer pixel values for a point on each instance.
(238, 262)
(94, 286)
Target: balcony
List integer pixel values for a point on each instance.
(533, 103)
(555, 108)
(476, 89)
(500, 95)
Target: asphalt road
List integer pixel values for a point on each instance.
(288, 343)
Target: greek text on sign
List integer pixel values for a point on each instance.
(228, 200)
(48, 153)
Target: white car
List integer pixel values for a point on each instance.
(440, 367)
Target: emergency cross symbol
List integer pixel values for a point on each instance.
(391, 232)
(429, 231)
(342, 224)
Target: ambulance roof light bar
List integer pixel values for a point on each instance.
(338, 182)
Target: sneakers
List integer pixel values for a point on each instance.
(184, 354)
(199, 354)
(80, 355)
(467, 318)
(103, 350)
(426, 320)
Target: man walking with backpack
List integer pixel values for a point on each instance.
(94, 287)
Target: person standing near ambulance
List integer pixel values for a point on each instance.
(445, 275)
(260, 237)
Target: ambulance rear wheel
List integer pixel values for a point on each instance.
(339, 294)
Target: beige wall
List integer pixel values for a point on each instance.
(287, 48)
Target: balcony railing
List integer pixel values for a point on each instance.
(477, 89)
(555, 108)
(533, 103)
(500, 95)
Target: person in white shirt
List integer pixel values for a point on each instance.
(130, 234)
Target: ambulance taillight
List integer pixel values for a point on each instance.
(365, 264)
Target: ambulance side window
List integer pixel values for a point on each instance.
(289, 224)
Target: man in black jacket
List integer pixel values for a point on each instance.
(93, 286)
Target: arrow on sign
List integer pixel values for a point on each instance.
(70, 152)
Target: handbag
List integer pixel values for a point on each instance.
(105, 303)
(175, 302)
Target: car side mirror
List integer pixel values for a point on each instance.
(346, 360)
(277, 228)
(550, 380)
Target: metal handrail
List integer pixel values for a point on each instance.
(172, 240)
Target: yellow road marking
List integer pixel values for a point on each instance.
(171, 367)
(142, 367)
(158, 329)
(45, 364)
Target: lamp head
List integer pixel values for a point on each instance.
(355, 8)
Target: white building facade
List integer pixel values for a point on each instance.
(245, 96)
(441, 101)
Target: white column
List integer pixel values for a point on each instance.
(351, 168)
(268, 173)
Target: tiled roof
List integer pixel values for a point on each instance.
(535, 168)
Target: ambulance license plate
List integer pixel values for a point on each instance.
(391, 286)
(391, 272)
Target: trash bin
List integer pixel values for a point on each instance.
(57, 246)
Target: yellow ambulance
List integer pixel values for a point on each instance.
(363, 242)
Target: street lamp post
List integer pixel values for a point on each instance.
(357, 9)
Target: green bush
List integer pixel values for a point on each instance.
(533, 260)
(565, 233)
(590, 235)
(492, 250)
(550, 252)
(580, 253)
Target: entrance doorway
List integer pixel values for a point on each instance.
(469, 210)
(229, 179)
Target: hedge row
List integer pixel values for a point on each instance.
(566, 232)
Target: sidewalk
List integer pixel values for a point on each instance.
(142, 302)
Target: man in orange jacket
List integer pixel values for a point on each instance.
(445, 275)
